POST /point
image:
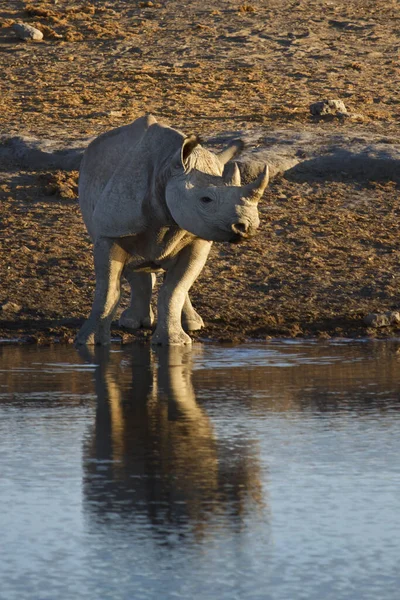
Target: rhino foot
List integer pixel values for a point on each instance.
(131, 321)
(192, 323)
(162, 338)
(92, 340)
(87, 336)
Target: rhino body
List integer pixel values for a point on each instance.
(154, 199)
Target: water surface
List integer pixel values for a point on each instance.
(250, 472)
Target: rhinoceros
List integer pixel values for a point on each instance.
(154, 199)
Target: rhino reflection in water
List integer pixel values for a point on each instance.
(153, 451)
(153, 199)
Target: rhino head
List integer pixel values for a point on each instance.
(205, 197)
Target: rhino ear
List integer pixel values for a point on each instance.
(233, 150)
(231, 174)
(189, 144)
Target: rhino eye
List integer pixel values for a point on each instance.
(206, 200)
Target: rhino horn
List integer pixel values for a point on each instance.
(231, 174)
(253, 191)
(234, 149)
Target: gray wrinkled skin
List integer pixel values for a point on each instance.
(154, 200)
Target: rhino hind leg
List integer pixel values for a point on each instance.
(139, 314)
(191, 320)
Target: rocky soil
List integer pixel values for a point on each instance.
(327, 252)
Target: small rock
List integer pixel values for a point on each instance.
(394, 317)
(328, 107)
(356, 117)
(382, 319)
(10, 307)
(376, 320)
(27, 32)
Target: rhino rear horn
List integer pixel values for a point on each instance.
(253, 191)
(231, 174)
(233, 150)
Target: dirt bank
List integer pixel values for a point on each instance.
(327, 252)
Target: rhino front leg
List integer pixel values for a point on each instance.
(180, 277)
(139, 313)
(191, 320)
(109, 259)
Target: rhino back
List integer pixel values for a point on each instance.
(130, 197)
(102, 158)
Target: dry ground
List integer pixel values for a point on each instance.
(327, 252)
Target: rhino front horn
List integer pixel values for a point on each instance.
(254, 191)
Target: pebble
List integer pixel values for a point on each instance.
(382, 319)
(27, 32)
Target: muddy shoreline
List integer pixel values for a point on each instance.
(325, 257)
